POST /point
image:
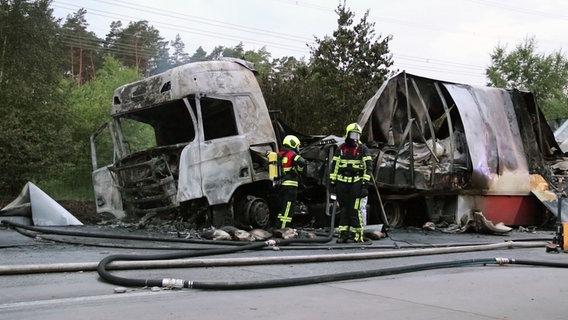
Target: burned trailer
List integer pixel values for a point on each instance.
(190, 141)
(444, 149)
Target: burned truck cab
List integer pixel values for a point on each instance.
(189, 141)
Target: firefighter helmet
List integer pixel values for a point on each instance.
(353, 127)
(291, 141)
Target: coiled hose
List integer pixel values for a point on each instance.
(239, 285)
(116, 236)
(143, 262)
(104, 274)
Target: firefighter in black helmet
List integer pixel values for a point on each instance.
(349, 177)
(292, 165)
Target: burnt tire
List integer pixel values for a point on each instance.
(394, 214)
(254, 212)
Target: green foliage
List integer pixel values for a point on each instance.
(90, 107)
(138, 46)
(260, 58)
(179, 56)
(91, 102)
(199, 55)
(344, 72)
(33, 117)
(350, 67)
(82, 48)
(525, 69)
(138, 135)
(287, 89)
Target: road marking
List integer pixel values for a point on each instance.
(40, 303)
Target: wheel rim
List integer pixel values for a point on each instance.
(258, 212)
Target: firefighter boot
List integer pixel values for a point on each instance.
(357, 234)
(343, 237)
(351, 237)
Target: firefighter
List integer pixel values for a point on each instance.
(349, 177)
(292, 165)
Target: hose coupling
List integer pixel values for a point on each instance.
(273, 244)
(502, 261)
(172, 283)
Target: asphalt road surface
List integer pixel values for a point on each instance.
(55, 277)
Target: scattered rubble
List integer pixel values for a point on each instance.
(473, 221)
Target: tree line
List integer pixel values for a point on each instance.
(57, 80)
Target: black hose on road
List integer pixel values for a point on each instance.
(180, 283)
(117, 236)
(320, 245)
(274, 283)
(103, 273)
(102, 266)
(238, 285)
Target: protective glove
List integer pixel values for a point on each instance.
(364, 192)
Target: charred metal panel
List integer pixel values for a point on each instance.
(540, 137)
(389, 112)
(254, 120)
(527, 114)
(107, 195)
(225, 165)
(214, 169)
(189, 183)
(492, 133)
(204, 78)
(106, 192)
(412, 123)
(142, 94)
(435, 135)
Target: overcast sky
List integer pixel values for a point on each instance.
(443, 39)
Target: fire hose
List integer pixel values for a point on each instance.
(236, 285)
(239, 285)
(144, 263)
(165, 261)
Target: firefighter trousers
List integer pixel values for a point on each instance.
(286, 209)
(350, 218)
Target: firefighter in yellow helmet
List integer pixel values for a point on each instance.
(292, 165)
(349, 177)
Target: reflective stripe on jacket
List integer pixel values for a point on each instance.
(292, 165)
(351, 164)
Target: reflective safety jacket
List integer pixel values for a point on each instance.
(292, 165)
(351, 164)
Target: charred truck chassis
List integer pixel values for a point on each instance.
(190, 142)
